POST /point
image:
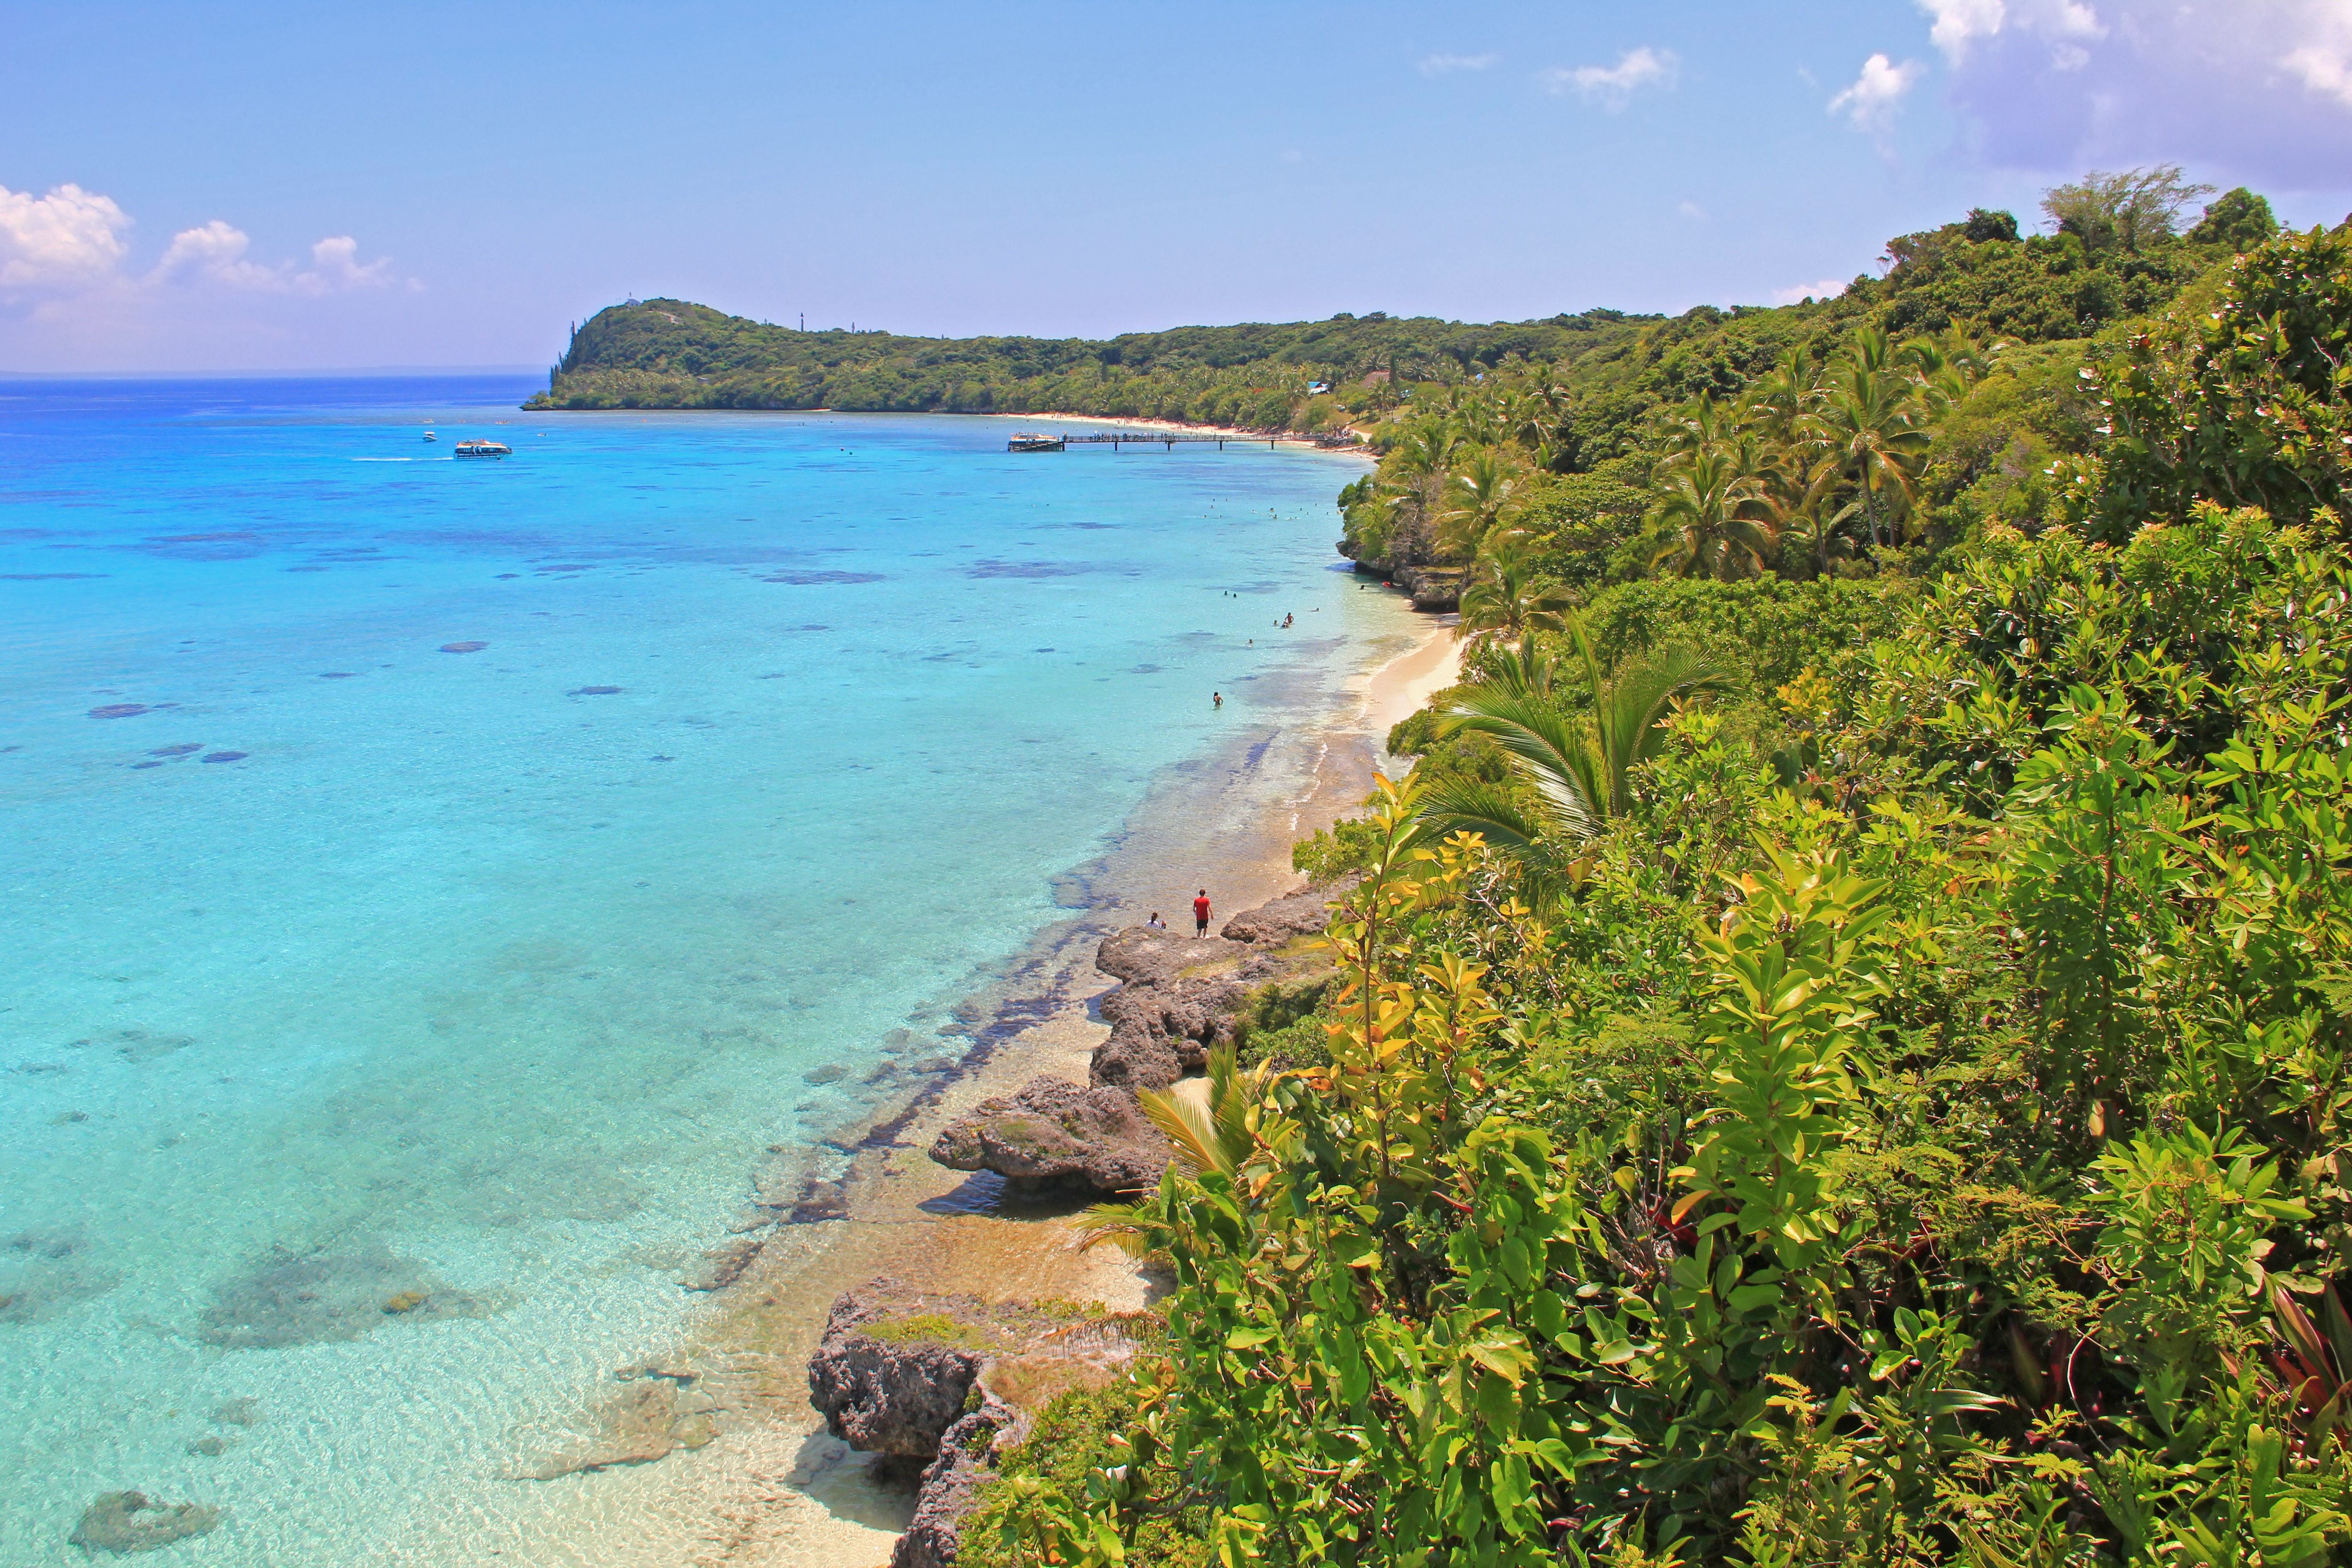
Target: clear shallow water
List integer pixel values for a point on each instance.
(338, 967)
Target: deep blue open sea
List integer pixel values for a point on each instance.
(442, 879)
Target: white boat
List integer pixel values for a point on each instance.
(428, 435)
(482, 449)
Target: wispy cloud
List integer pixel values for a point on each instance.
(1827, 289)
(1960, 24)
(1692, 211)
(1613, 87)
(1875, 94)
(2252, 90)
(1441, 65)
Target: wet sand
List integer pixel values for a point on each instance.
(774, 1490)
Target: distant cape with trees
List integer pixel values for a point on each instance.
(669, 353)
(1618, 369)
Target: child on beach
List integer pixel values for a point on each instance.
(1200, 914)
(1155, 922)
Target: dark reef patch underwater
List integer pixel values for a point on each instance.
(303, 1299)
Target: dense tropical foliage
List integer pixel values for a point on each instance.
(1840, 1052)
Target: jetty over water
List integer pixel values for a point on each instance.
(1168, 440)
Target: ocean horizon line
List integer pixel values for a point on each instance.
(310, 372)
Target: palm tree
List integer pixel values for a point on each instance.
(1697, 426)
(1871, 422)
(1481, 488)
(1817, 471)
(1505, 599)
(1717, 503)
(1578, 766)
(1425, 448)
(1776, 407)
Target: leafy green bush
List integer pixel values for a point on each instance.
(1076, 1434)
(2246, 404)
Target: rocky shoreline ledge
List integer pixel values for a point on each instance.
(951, 1383)
(1178, 999)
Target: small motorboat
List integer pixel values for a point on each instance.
(483, 449)
(1033, 444)
(429, 436)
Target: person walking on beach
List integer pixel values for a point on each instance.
(1201, 915)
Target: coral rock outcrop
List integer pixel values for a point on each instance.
(1053, 1133)
(891, 1374)
(1180, 997)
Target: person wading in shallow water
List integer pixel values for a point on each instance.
(1218, 698)
(1155, 922)
(1200, 914)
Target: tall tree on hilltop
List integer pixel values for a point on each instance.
(2125, 211)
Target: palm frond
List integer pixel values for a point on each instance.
(1126, 1227)
(1552, 751)
(1188, 1126)
(1468, 805)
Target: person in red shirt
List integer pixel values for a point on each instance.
(1200, 914)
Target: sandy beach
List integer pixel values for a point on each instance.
(1123, 422)
(775, 1491)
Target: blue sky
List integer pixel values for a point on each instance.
(262, 187)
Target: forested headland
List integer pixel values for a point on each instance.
(1838, 1054)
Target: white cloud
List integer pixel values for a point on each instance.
(72, 296)
(335, 269)
(2240, 90)
(1960, 22)
(2324, 65)
(1438, 65)
(1613, 86)
(1827, 289)
(1691, 210)
(1871, 102)
(69, 239)
(214, 255)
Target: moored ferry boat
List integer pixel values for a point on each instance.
(483, 449)
(1031, 443)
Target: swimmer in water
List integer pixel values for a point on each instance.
(1217, 698)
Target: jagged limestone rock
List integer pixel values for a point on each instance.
(894, 1368)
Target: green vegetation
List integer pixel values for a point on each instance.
(666, 354)
(1874, 1086)
(1077, 1434)
(930, 1329)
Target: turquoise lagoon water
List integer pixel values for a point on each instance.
(339, 966)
